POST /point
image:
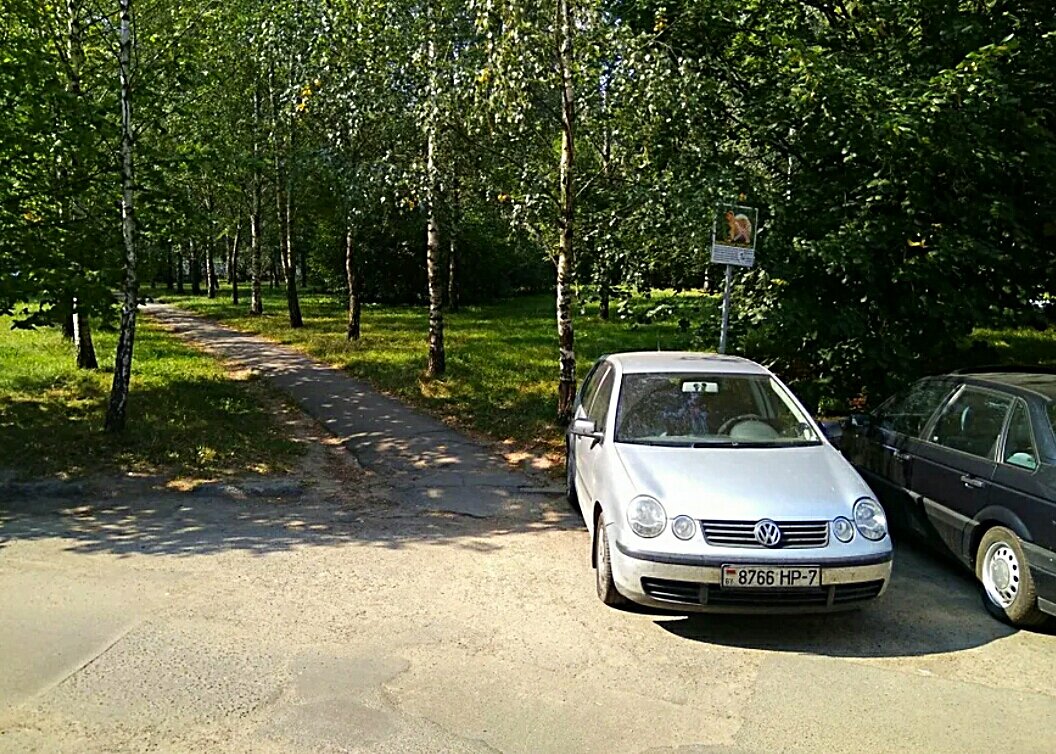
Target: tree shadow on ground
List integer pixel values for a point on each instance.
(168, 523)
(930, 607)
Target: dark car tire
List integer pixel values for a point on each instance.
(607, 591)
(1001, 544)
(570, 477)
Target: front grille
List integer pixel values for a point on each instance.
(673, 591)
(816, 597)
(691, 593)
(865, 590)
(794, 534)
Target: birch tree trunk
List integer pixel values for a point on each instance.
(452, 250)
(169, 274)
(452, 275)
(566, 390)
(437, 357)
(232, 264)
(196, 268)
(284, 209)
(81, 329)
(117, 410)
(82, 339)
(179, 269)
(213, 285)
(289, 266)
(352, 276)
(256, 303)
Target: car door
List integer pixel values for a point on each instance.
(589, 451)
(954, 464)
(882, 454)
(1021, 486)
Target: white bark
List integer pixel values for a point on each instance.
(118, 408)
(565, 334)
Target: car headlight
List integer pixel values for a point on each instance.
(683, 527)
(869, 519)
(646, 516)
(843, 529)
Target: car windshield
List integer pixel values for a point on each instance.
(705, 410)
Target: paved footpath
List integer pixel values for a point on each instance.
(428, 464)
(432, 600)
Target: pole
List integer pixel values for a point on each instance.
(726, 310)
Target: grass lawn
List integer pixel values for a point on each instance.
(1024, 345)
(187, 415)
(501, 358)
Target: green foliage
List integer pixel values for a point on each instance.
(902, 156)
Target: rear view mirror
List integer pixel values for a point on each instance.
(700, 387)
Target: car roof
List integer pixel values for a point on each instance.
(689, 362)
(1042, 384)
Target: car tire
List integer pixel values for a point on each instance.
(570, 477)
(1007, 585)
(607, 591)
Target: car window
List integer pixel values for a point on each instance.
(733, 410)
(908, 412)
(1019, 442)
(590, 385)
(599, 408)
(972, 422)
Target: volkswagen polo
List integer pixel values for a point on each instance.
(706, 486)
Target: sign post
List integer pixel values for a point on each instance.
(732, 244)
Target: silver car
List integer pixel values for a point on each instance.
(706, 486)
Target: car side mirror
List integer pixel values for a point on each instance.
(833, 431)
(860, 421)
(584, 427)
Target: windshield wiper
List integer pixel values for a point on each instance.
(763, 444)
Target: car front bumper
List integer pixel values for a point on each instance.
(692, 583)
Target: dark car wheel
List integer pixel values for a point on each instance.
(1008, 587)
(570, 477)
(607, 591)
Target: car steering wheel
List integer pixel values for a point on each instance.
(729, 423)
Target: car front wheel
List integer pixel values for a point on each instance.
(1008, 588)
(607, 591)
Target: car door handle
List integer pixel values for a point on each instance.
(971, 481)
(900, 456)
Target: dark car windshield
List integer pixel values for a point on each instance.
(706, 410)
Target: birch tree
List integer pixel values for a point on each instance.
(117, 410)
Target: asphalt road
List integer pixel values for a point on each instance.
(366, 607)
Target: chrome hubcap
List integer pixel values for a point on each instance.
(1001, 574)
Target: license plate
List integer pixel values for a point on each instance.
(770, 577)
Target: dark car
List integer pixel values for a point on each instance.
(968, 460)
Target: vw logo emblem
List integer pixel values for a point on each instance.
(767, 533)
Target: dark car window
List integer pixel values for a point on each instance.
(1019, 442)
(972, 422)
(599, 408)
(909, 411)
(590, 385)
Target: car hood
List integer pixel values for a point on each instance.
(745, 483)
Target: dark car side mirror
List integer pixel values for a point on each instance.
(859, 421)
(833, 431)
